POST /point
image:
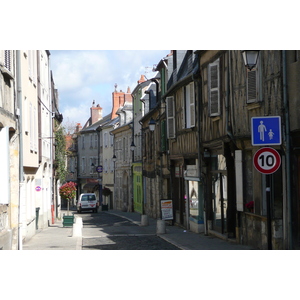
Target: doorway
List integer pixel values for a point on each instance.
(219, 193)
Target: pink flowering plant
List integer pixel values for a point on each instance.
(68, 190)
(250, 205)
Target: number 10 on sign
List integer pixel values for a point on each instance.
(267, 160)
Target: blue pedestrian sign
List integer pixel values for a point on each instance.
(266, 131)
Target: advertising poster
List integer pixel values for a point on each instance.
(166, 209)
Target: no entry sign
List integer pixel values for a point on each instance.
(266, 160)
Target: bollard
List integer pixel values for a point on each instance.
(77, 228)
(160, 227)
(144, 220)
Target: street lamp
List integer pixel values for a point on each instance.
(250, 58)
(114, 159)
(151, 124)
(132, 146)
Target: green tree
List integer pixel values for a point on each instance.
(60, 154)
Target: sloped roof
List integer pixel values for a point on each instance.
(94, 126)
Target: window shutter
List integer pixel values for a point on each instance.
(31, 116)
(7, 59)
(214, 89)
(170, 117)
(35, 129)
(192, 105)
(252, 86)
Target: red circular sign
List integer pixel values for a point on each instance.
(38, 188)
(267, 160)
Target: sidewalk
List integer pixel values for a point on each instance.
(184, 239)
(54, 237)
(57, 237)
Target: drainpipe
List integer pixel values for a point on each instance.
(21, 171)
(288, 151)
(198, 79)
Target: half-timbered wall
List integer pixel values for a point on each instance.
(213, 126)
(185, 144)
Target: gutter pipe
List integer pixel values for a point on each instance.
(21, 171)
(288, 150)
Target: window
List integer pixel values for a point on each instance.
(111, 139)
(31, 118)
(188, 106)
(252, 78)
(96, 140)
(83, 165)
(105, 139)
(91, 140)
(7, 59)
(105, 166)
(214, 88)
(170, 117)
(92, 165)
(32, 65)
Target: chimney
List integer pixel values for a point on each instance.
(78, 127)
(96, 113)
(118, 99)
(128, 97)
(142, 79)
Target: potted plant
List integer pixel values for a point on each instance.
(68, 192)
(250, 206)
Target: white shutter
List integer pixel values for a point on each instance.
(31, 120)
(214, 88)
(192, 105)
(170, 117)
(35, 132)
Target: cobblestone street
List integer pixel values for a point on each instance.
(104, 231)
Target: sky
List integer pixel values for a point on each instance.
(82, 76)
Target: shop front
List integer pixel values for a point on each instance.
(194, 199)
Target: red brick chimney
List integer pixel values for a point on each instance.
(118, 100)
(128, 97)
(142, 79)
(96, 113)
(78, 127)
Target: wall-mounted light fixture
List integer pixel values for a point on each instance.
(132, 146)
(152, 124)
(250, 58)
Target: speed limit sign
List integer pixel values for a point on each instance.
(267, 160)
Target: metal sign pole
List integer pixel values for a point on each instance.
(269, 223)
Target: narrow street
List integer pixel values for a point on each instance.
(104, 231)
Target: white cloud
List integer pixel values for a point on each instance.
(84, 76)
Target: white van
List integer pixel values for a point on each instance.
(87, 201)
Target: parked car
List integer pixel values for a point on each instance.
(87, 201)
